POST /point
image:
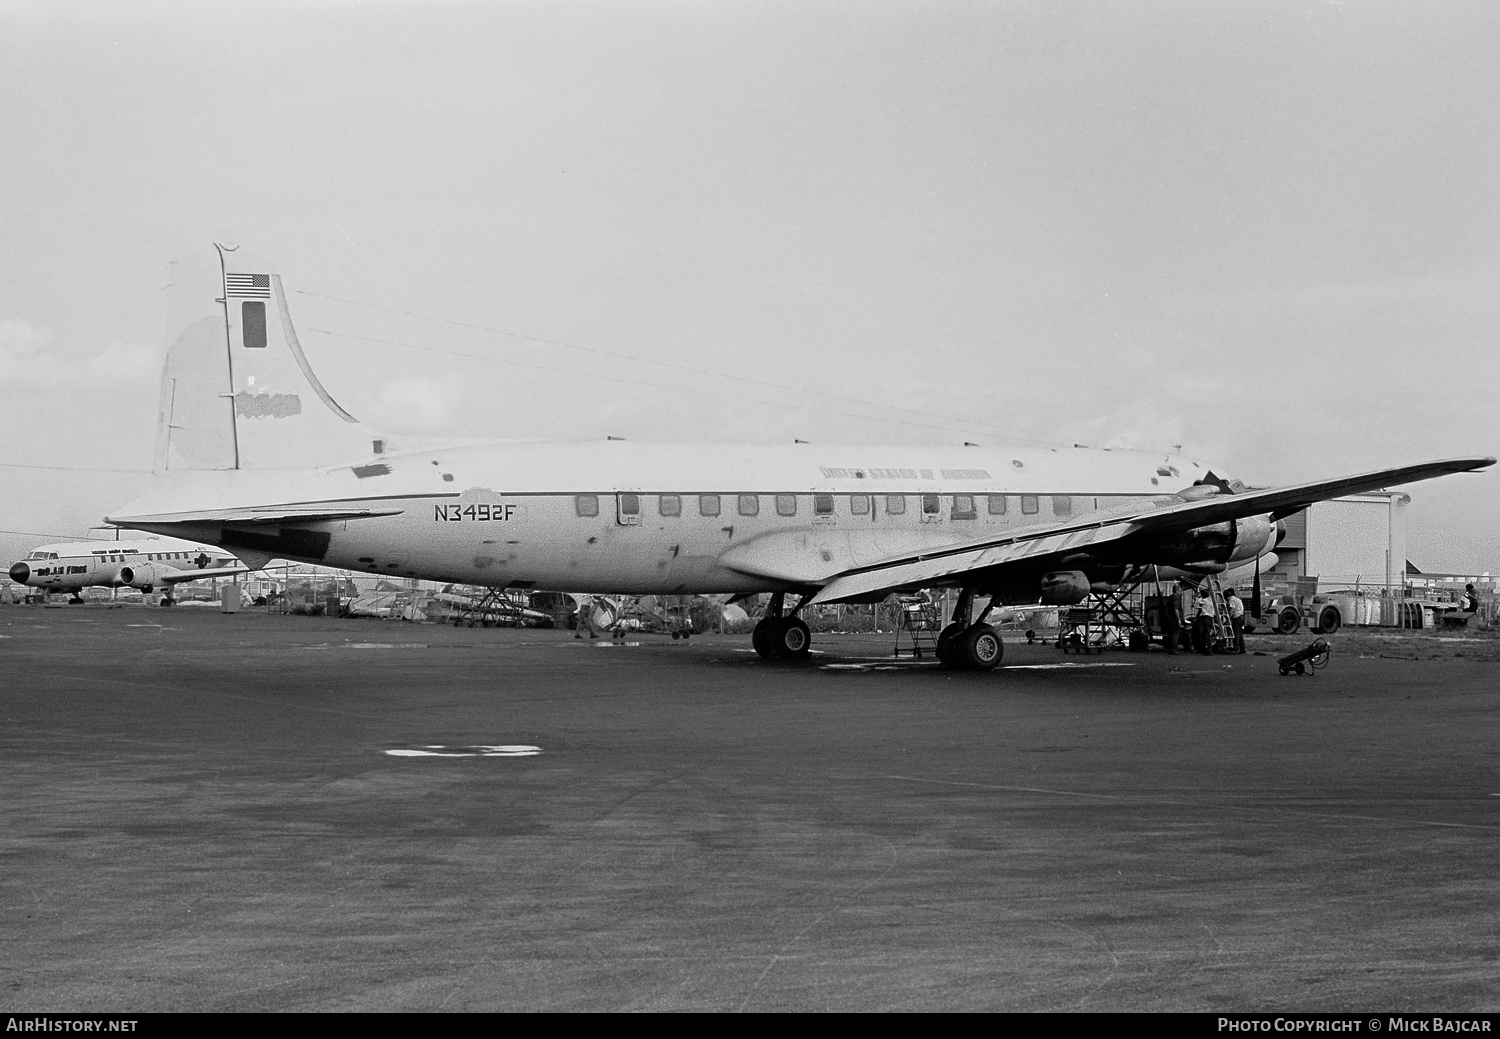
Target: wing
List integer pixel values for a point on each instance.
(1159, 518)
(179, 576)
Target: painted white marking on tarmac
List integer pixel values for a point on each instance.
(1048, 667)
(437, 750)
(384, 645)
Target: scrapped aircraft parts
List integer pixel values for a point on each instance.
(1305, 661)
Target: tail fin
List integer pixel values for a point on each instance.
(237, 390)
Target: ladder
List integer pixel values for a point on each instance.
(919, 618)
(1223, 629)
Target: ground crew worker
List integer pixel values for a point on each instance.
(1471, 600)
(1171, 622)
(1203, 621)
(585, 617)
(1236, 620)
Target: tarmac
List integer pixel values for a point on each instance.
(251, 812)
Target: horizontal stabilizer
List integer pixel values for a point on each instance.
(270, 514)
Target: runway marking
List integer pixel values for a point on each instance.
(1194, 804)
(437, 750)
(384, 645)
(1069, 663)
(811, 652)
(887, 664)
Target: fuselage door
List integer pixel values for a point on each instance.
(628, 509)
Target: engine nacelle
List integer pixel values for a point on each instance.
(1212, 548)
(1064, 587)
(144, 577)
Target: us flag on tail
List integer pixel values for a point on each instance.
(256, 286)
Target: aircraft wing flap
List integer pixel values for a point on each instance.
(1160, 517)
(941, 568)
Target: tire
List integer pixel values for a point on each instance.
(979, 648)
(1139, 641)
(945, 641)
(760, 639)
(1329, 620)
(791, 639)
(1288, 620)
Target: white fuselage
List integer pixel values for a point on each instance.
(74, 566)
(666, 518)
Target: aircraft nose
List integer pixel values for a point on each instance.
(19, 572)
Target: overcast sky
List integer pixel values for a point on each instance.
(1268, 232)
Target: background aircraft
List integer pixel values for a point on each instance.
(145, 564)
(255, 454)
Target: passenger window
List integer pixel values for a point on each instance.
(749, 505)
(1029, 505)
(823, 504)
(997, 505)
(1062, 505)
(930, 505)
(586, 504)
(708, 504)
(253, 324)
(786, 505)
(963, 506)
(671, 505)
(895, 504)
(859, 504)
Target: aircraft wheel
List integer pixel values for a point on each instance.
(1287, 620)
(760, 638)
(1329, 620)
(945, 644)
(979, 647)
(791, 639)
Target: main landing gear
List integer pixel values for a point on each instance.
(782, 634)
(969, 646)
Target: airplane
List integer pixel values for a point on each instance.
(72, 566)
(255, 454)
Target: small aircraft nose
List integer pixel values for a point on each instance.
(19, 572)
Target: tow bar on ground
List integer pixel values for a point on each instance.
(1307, 660)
